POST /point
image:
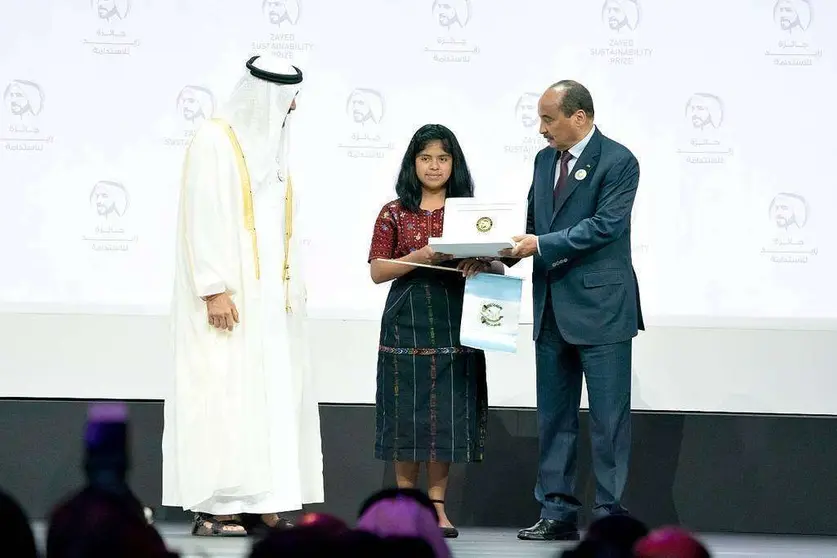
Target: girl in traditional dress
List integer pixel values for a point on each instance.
(431, 401)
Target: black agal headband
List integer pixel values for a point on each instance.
(282, 79)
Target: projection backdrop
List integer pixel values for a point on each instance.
(727, 107)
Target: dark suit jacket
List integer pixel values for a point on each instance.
(585, 244)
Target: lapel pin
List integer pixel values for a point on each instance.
(580, 174)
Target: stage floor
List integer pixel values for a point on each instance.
(488, 543)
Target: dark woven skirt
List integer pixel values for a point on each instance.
(431, 400)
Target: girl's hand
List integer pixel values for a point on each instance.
(472, 266)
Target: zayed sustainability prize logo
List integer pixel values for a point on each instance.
(194, 105)
(788, 214)
(110, 231)
(112, 36)
(620, 20)
(703, 121)
(527, 121)
(23, 105)
(793, 46)
(452, 44)
(365, 111)
(281, 18)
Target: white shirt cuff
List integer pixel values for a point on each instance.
(213, 289)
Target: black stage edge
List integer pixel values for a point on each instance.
(711, 473)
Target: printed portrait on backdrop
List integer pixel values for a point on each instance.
(792, 15)
(195, 104)
(789, 211)
(112, 10)
(365, 106)
(280, 11)
(450, 13)
(23, 99)
(621, 15)
(705, 110)
(110, 200)
(526, 110)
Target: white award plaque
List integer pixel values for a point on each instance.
(475, 228)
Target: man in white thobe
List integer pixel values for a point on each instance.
(242, 432)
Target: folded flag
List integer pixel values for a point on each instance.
(491, 312)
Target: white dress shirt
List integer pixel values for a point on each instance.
(575, 151)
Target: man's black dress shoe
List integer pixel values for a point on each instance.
(549, 530)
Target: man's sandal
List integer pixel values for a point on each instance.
(257, 526)
(206, 525)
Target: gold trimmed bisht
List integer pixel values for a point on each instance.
(250, 219)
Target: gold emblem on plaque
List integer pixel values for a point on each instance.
(484, 224)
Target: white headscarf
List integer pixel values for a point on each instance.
(258, 111)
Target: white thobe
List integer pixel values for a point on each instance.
(242, 431)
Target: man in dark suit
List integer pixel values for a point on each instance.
(586, 305)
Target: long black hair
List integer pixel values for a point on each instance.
(408, 187)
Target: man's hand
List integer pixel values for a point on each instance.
(526, 245)
(221, 311)
(471, 266)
